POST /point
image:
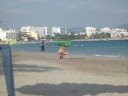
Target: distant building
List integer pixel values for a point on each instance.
(8, 34)
(90, 31)
(55, 30)
(42, 31)
(63, 30)
(33, 34)
(119, 33)
(49, 31)
(45, 32)
(11, 34)
(25, 29)
(60, 30)
(2, 34)
(105, 30)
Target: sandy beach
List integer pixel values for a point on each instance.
(42, 74)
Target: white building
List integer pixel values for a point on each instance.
(42, 31)
(120, 30)
(63, 30)
(11, 34)
(8, 34)
(90, 31)
(55, 30)
(25, 29)
(2, 34)
(60, 30)
(49, 31)
(105, 30)
(119, 33)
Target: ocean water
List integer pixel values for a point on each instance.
(111, 48)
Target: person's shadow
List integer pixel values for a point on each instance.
(70, 89)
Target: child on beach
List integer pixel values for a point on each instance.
(62, 51)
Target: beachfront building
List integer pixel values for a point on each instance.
(11, 34)
(49, 31)
(55, 30)
(63, 30)
(42, 31)
(26, 36)
(116, 33)
(60, 30)
(105, 30)
(8, 34)
(119, 33)
(2, 34)
(90, 31)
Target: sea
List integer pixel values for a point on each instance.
(104, 48)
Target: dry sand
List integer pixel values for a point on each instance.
(42, 74)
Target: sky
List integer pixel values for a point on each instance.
(63, 13)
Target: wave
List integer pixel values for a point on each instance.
(107, 55)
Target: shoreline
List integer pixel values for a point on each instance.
(80, 55)
(101, 39)
(90, 49)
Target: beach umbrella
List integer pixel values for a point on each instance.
(65, 42)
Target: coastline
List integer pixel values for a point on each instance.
(34, 71)
(113, 49)
(101, 39)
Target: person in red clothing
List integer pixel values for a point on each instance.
(62, 51)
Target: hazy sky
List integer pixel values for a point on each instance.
(68, 13)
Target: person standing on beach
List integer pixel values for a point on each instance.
(42, 46)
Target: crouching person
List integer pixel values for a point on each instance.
(61, 52)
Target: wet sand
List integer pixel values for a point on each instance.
(42, 74)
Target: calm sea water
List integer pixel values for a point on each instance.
(118, 48)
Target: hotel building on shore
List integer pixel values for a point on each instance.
(43, 31)
(8, 34)
(115, 33)
(60, 30)
(34, 32)
(90, 31)
(2, 34)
